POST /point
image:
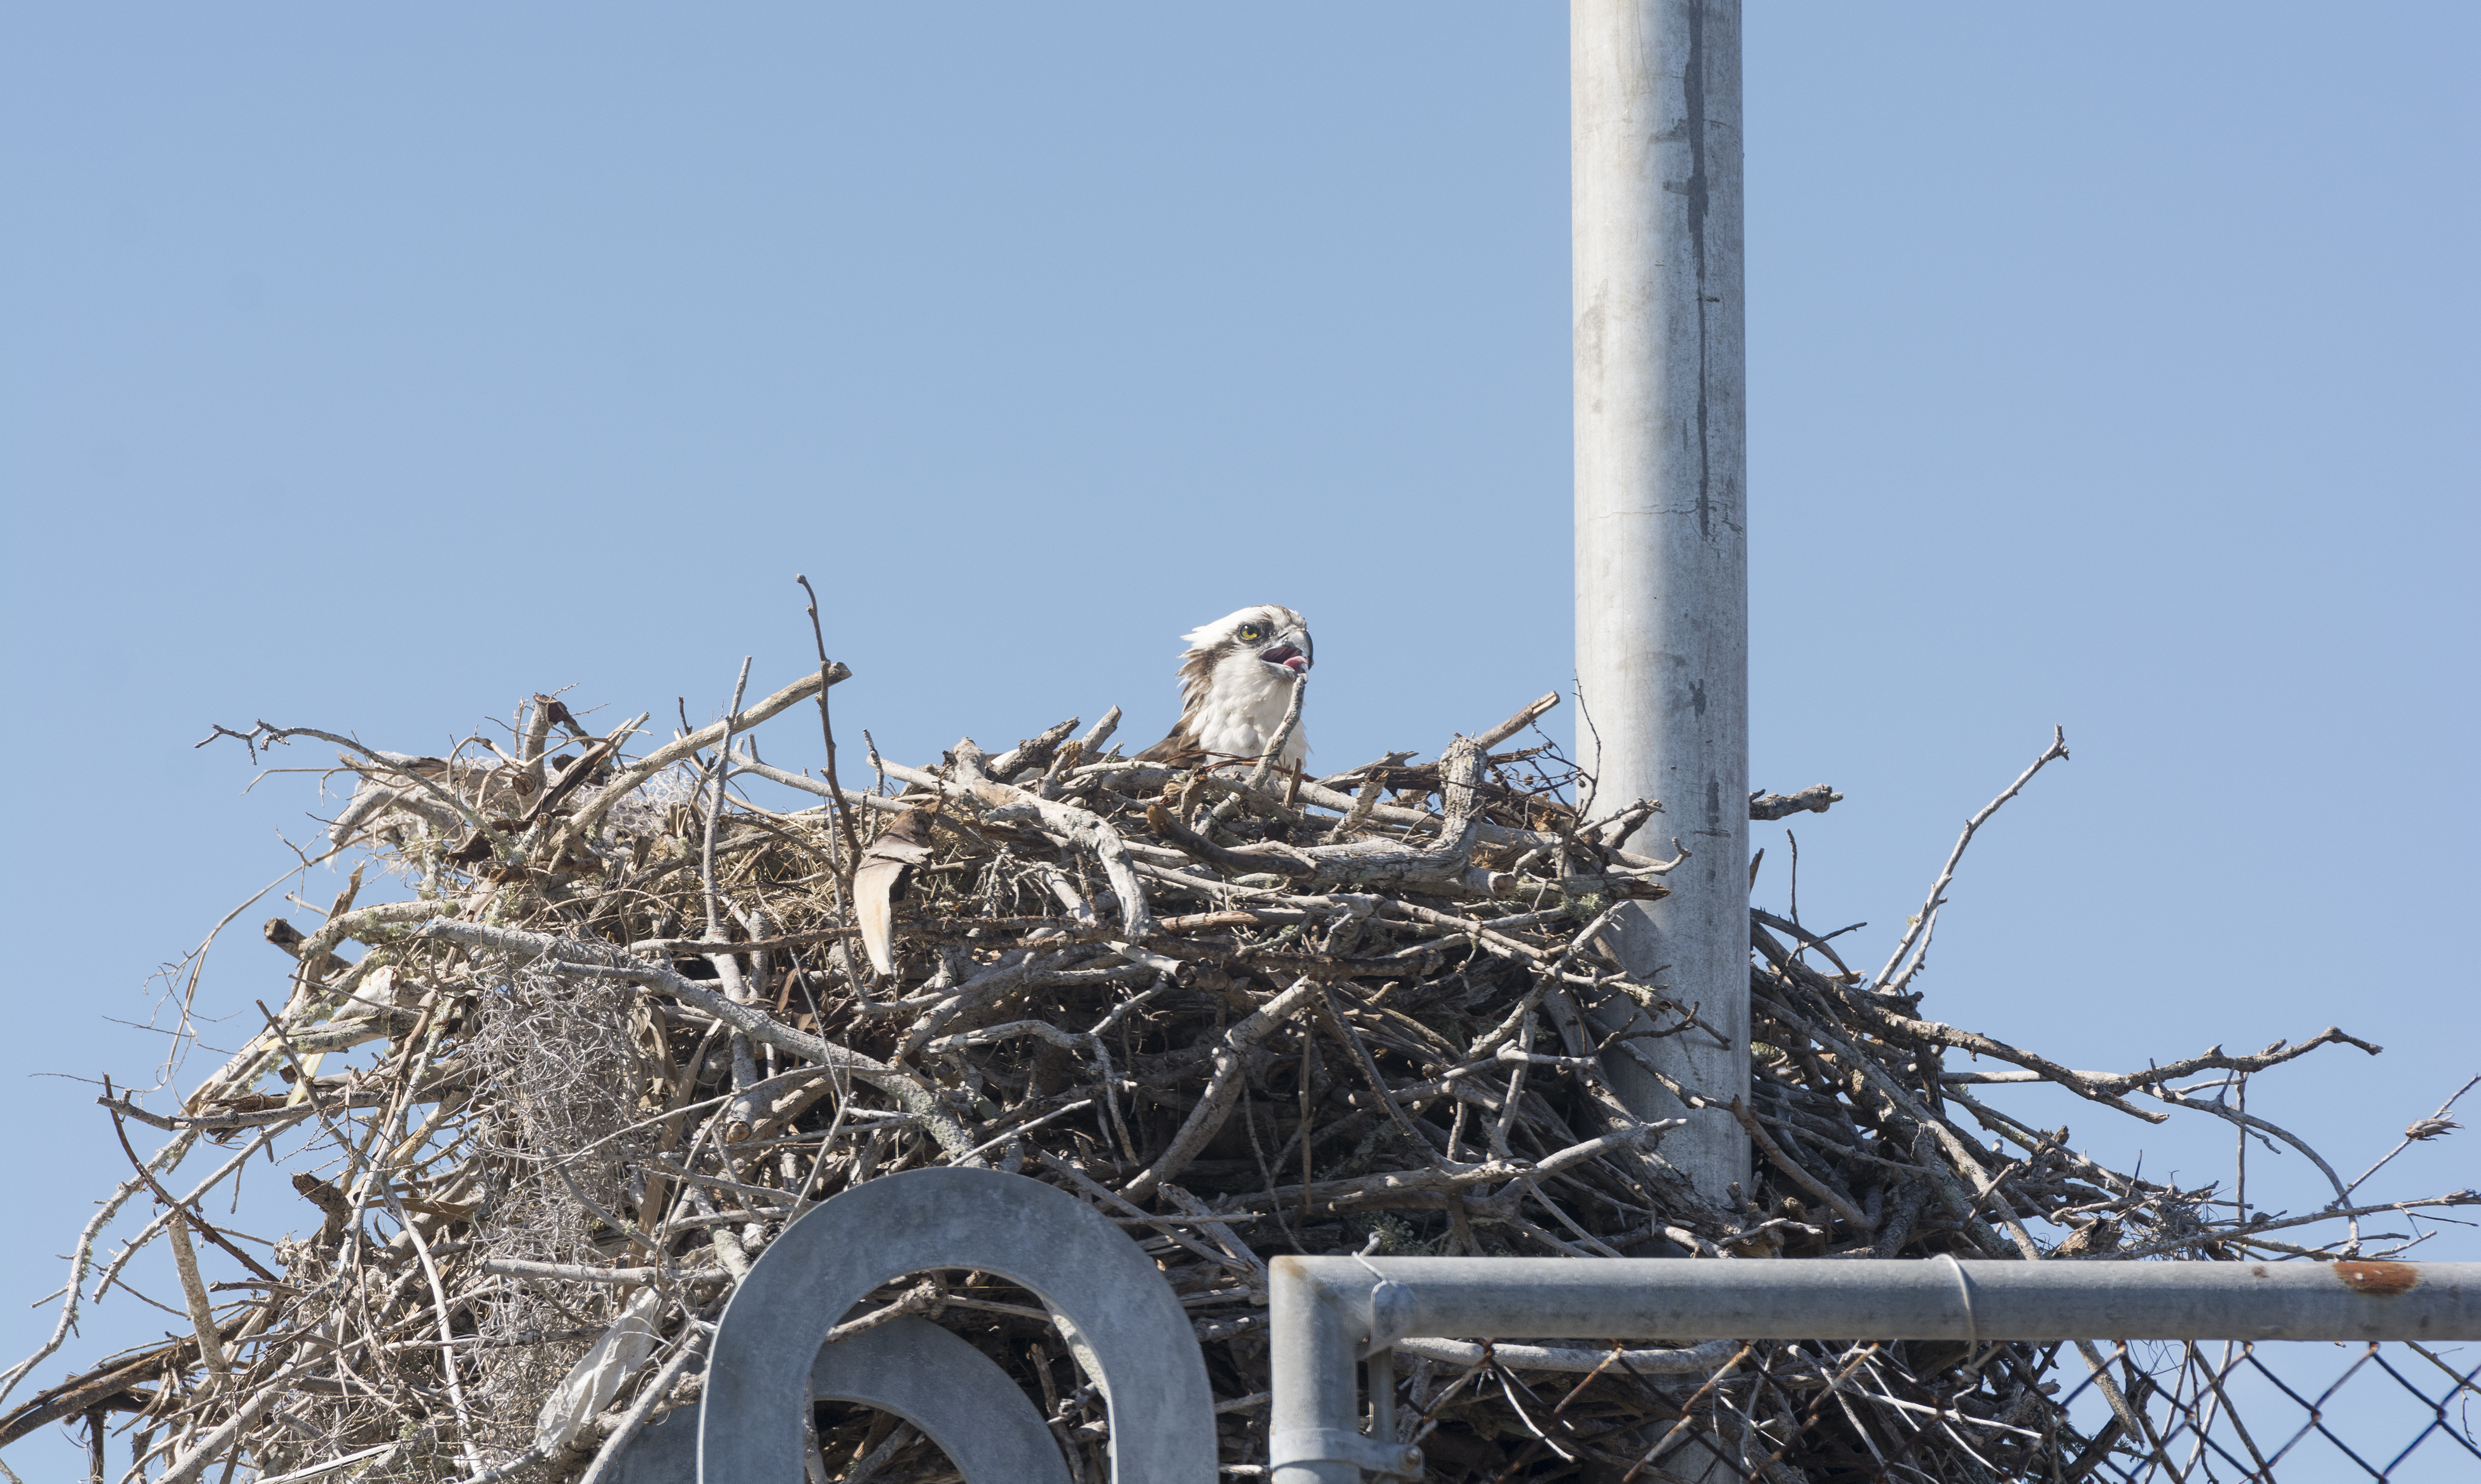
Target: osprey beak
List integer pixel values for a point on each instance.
(1287, 657)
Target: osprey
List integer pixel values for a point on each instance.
(1234, 681)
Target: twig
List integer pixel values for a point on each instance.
(1919, 927)
(1812, 799)
(1860, 1224)
(2436, 1125)
(827, 732)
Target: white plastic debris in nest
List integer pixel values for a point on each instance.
(599, 1373)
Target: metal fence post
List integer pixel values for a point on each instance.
(1661, 537)
(1315, 1409)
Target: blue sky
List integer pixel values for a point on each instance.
(2110, 366)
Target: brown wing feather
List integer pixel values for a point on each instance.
(1179, 747)
(1178, 750)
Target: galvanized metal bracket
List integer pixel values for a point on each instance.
(1391, 1317)
(958, 1396)
(1341, 1446)
(1129, 1325)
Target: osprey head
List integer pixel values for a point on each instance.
(1276, 638)
(1236, 681)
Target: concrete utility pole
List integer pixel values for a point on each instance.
(1662, 591)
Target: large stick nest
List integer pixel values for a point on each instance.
(628, 1022)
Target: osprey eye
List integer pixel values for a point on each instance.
(1250, 634)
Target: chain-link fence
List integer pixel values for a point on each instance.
(2297, 1410)
(2204, 1413)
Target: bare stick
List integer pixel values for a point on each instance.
(1532, 711)
(1919, 930)
(647, 766)
(2436, 1125)
(1259, 774)
(202, 1310)
(1757, 1135)
(1206, 1119)
(827, 729)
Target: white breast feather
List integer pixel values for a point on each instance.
(1243, 708)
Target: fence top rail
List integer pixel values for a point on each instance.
(1382, 1300)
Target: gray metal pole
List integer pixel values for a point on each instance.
(1792, 1298)
(1315, 1411)
(1662, 528)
